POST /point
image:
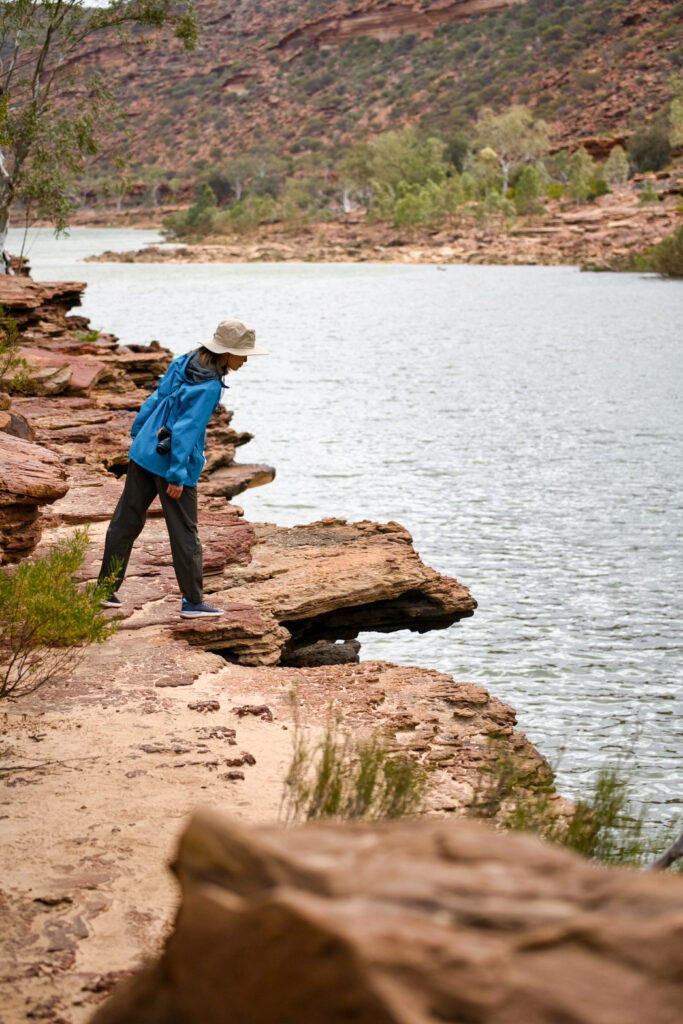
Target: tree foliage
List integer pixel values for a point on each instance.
(581, 174)
(51, 106)
(649, 149)
(616, 169)
(513, 135)
(676, 112)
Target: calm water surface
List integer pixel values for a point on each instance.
(523, 422)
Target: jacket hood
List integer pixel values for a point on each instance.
(198, 374)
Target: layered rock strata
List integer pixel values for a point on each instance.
(410, 923)
(30, 476)
(84, 390)
(387, 20)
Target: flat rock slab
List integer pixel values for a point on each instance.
(29, 474)
(85, 370)
(336, 579)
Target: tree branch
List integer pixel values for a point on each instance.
(674, 852)
(43, 764)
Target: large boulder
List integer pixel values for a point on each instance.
(30, 476)
(408, 923)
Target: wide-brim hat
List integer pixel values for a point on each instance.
(235, 337)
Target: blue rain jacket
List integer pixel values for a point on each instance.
(185, 407)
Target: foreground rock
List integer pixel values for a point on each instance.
(406, 924)
(99, 772)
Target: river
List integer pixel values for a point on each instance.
(524, 423)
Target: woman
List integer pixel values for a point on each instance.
(166, 458)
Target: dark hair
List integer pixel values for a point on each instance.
(211, 360)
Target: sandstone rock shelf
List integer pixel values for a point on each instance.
(98, 769)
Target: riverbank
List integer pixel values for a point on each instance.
(98, 770)
(614, 227)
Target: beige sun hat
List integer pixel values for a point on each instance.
(236, 337)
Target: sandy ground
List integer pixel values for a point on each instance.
(89, 818)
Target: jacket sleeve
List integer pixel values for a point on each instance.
(188, 429)
(146, 409)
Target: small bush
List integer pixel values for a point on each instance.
(650, 150)
(46, 618)
(667, 257)
(15, 372)
(348, 778)
(648, 194)
(604, 826)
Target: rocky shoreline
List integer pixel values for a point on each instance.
(614, 227)
(418, 922)
(98, 769)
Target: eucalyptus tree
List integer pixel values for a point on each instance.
(514, 137)
(54, 103)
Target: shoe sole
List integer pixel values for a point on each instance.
(111, 604)
(199, 615)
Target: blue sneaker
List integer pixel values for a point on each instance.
(111, 602)
(195, 611)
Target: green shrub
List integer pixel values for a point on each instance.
(528, 189)
(598, 187)
(195, 221)
(667, 257)
(9, 344)
(581, 170)
(247, 214)
(15, 372)
(348, 778)
(650, 150)
(605, 825)
(648, 194)
(47, 618)
(616, 167)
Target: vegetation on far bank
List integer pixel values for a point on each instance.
(502, 168)
(665, 259)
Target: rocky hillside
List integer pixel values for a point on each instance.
(297, 77)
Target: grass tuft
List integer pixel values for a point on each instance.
(606, 825)
(346, 778)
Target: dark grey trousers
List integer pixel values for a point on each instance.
(181, 519)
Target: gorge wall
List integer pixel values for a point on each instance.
(387, 20)
(297, 77)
